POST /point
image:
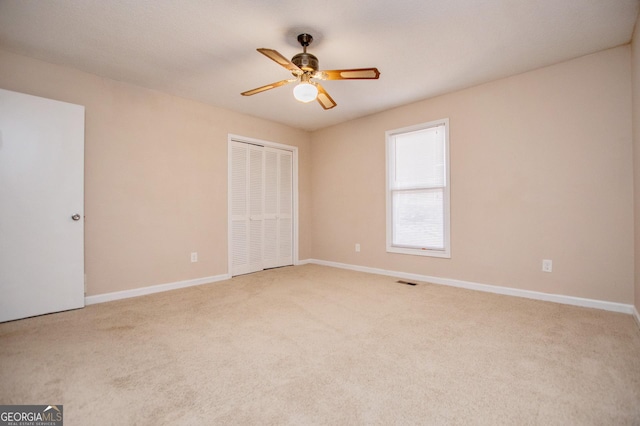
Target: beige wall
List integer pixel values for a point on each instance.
(155, 175)
(541, 168)
(635, 69)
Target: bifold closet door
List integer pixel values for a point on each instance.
(246, 208)
(278, 223)
(261, 208)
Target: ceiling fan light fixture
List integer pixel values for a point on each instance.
(305, 92)
(304, 67)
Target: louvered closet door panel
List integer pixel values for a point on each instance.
(256, 207)
(239, 209)
(270, 242)
(285, 208)
(261, 208)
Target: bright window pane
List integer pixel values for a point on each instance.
(420, 158)
(418, 218)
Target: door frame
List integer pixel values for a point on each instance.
(252, 141)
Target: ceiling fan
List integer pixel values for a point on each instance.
(304, 67)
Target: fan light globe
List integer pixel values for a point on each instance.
(305, 92)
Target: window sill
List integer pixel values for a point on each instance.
(446, 254)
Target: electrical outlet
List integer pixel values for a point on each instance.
(547, 265)
(194, 257)
(357, 248)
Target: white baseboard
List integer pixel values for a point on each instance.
(557, 298)
(125, 294)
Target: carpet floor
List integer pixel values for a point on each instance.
(316, 345)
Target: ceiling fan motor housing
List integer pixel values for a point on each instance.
(306, 62)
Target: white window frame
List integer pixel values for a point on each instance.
(390, 159)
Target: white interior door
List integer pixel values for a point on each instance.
(285, 208)
(41, 206)
(271, 198)
(239, 208)
(256, 207)
(247, 188)
(261, 207)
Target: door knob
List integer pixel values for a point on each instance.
(75, 217)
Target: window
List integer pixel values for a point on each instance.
(418, 189)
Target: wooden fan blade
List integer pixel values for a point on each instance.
(281, 60)
(353, 74)
(267, 87)
(324, 99)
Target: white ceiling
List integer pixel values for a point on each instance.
(206, 49)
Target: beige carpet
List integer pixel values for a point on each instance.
(317, 345)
